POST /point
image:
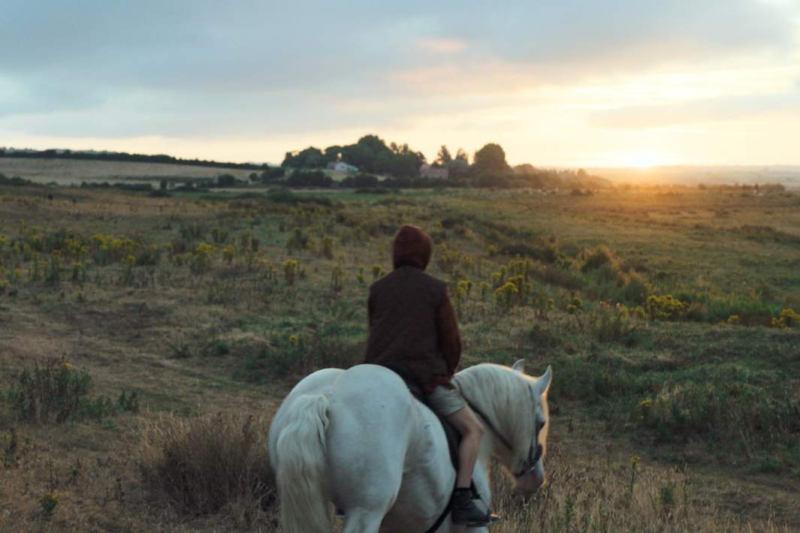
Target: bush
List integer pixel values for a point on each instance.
(227, 181)
(314, 178)
(751, 312)
(15, 181)
(209, 464)
(666, 307)
(272, 174)
(729, 409)
(613, 324)
(362, 181)
(597, 258)
(55, 392)
(787, 319)
(299, 356)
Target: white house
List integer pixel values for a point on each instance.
(341, 166)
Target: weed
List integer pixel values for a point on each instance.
(204, 465)
(787, 319)
(290, 268)
(52, 390)
(48, 503)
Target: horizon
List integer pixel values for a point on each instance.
(222, 162)
(672, 84)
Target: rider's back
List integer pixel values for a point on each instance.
(404, 308)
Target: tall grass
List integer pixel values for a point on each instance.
(604, 494)
(209, 465)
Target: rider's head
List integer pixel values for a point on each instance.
(412, 247)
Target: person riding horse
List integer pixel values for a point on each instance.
(412, 324)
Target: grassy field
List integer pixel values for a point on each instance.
(72, 172)
(145, 343)
(68, 172)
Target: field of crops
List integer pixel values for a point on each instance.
(146, 341)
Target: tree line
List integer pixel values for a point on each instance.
(489, 168)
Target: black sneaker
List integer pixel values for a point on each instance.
(466, 512)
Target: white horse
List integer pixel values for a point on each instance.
(360, 440)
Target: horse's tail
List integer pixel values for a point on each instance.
(301, 477)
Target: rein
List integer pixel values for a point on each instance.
(535, 451)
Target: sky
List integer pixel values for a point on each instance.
(571, 83)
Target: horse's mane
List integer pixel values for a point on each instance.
(503, 396)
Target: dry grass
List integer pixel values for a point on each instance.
(209, 465)
(122, 333)
(598, 494)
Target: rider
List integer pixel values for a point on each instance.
(412, 323)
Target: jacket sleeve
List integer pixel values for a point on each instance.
(449, 338)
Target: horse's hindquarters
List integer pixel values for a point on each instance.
(387, 454)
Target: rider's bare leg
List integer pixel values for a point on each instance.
(471, 430)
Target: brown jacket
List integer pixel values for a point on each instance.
(411, 318)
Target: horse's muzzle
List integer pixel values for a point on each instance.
(529, 483)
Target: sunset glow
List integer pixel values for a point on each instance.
(657, 84)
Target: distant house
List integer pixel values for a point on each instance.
(427, 171)
(341, 166)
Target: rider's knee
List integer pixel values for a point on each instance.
(475, 430)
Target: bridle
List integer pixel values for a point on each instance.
(535, 451)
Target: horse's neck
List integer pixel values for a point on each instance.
(486, 452)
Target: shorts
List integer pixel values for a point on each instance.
(445, 401)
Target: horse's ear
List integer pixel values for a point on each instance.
(542, 384)
(519, 366)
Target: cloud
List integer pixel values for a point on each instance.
(192, 69)
(736, 108)
(441, 46)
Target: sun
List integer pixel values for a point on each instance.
(642, 160)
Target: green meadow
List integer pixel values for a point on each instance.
(145, 341)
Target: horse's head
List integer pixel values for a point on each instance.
(513, 409)
(527, 461)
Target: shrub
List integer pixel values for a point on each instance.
(53, 391)
(787, 319)
(208, 464)
(730, 409)
(635, 290)
(361, 181)
(328, 347)
(298, 241)
(48, 502)
(751, 312)
(290, 268)
(557, 277)
(193, 230)
(594, 259)
(227, 180)
(313, 178)
(613, 324)
(665, 307)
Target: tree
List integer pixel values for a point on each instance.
(227, 180)
(462, 157)
(309, 158)
(491, 161)
(443, 158)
